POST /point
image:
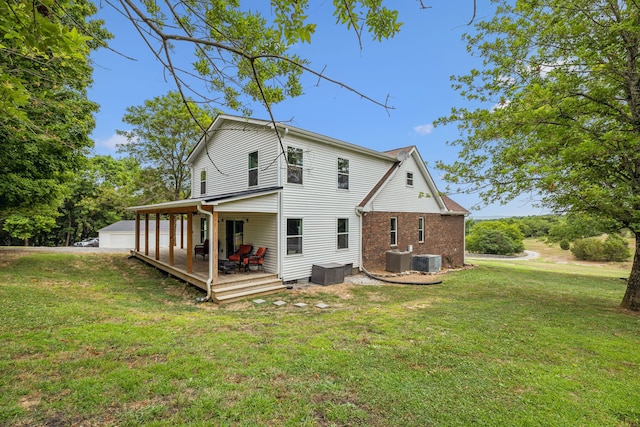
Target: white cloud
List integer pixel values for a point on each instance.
(423, 129)
(112, 142)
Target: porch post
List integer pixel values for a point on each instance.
(137, 242)
(146, 234)
(190, 242)
(181, 231)
(172, 236)
(157, 237)
(213, 245)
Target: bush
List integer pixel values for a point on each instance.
(614, 248)
(495, 237)
(565, 245)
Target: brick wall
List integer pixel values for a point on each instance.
(443, 235)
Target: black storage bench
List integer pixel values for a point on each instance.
(327, 274)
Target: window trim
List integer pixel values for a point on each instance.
(393, 231)
(409, 179)
(254, 169)
(297, 167)
(295, 236)
(203, 181)
(342, 233)
(343, 173)
(421, 229)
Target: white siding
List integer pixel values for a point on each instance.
(267, 203)
(259, 230)
(228, 148)
(396, 196)
(320, 203)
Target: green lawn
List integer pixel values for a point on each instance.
(552, 258)
(103, 340)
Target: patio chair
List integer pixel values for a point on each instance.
(202, 249)
(255, 259)
(242, 252)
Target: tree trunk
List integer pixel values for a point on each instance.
(631, 298)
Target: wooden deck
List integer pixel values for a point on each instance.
(229, 287)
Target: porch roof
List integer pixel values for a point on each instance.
(191, 205)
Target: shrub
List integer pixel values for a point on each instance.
(565, 245)
(614, 248)
(589, 249)
(495, 237)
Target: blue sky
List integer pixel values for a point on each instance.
(411, 70)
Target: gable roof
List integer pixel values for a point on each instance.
(447, 205)
(395, 157)
(453, 206)
(283, 128)
(396, 152)
(379, 185)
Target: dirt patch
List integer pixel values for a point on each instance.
(342, 290)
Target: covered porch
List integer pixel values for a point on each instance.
(192, 222)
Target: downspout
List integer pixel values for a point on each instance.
(210, 278)
(359, 212)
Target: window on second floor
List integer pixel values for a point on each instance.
(343, 233)
(203, 182)
(409, 179)
(343, 173)
(294, 165)
(253, 169)
(393, 234)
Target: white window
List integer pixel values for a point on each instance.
(253, 169)
(421, 229)
(203, 182)
(343, 233)
(204, 235)
(343, 174)
(409, 179)
(294, 236)
(394, 231)
(294, 165)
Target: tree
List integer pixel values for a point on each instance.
(164, 133)
(46, 116)
(98, 196)
(495, 237)
(576, 226)
(241, 56)
(555, 110)
(45, 46)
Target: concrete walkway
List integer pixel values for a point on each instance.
(527, 256)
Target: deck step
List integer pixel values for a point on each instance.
(232, 288)
(241, 293)
(239, 279)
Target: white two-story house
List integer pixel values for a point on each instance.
(307, 198)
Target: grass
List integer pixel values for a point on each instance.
(552, 258)
(103, 340)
